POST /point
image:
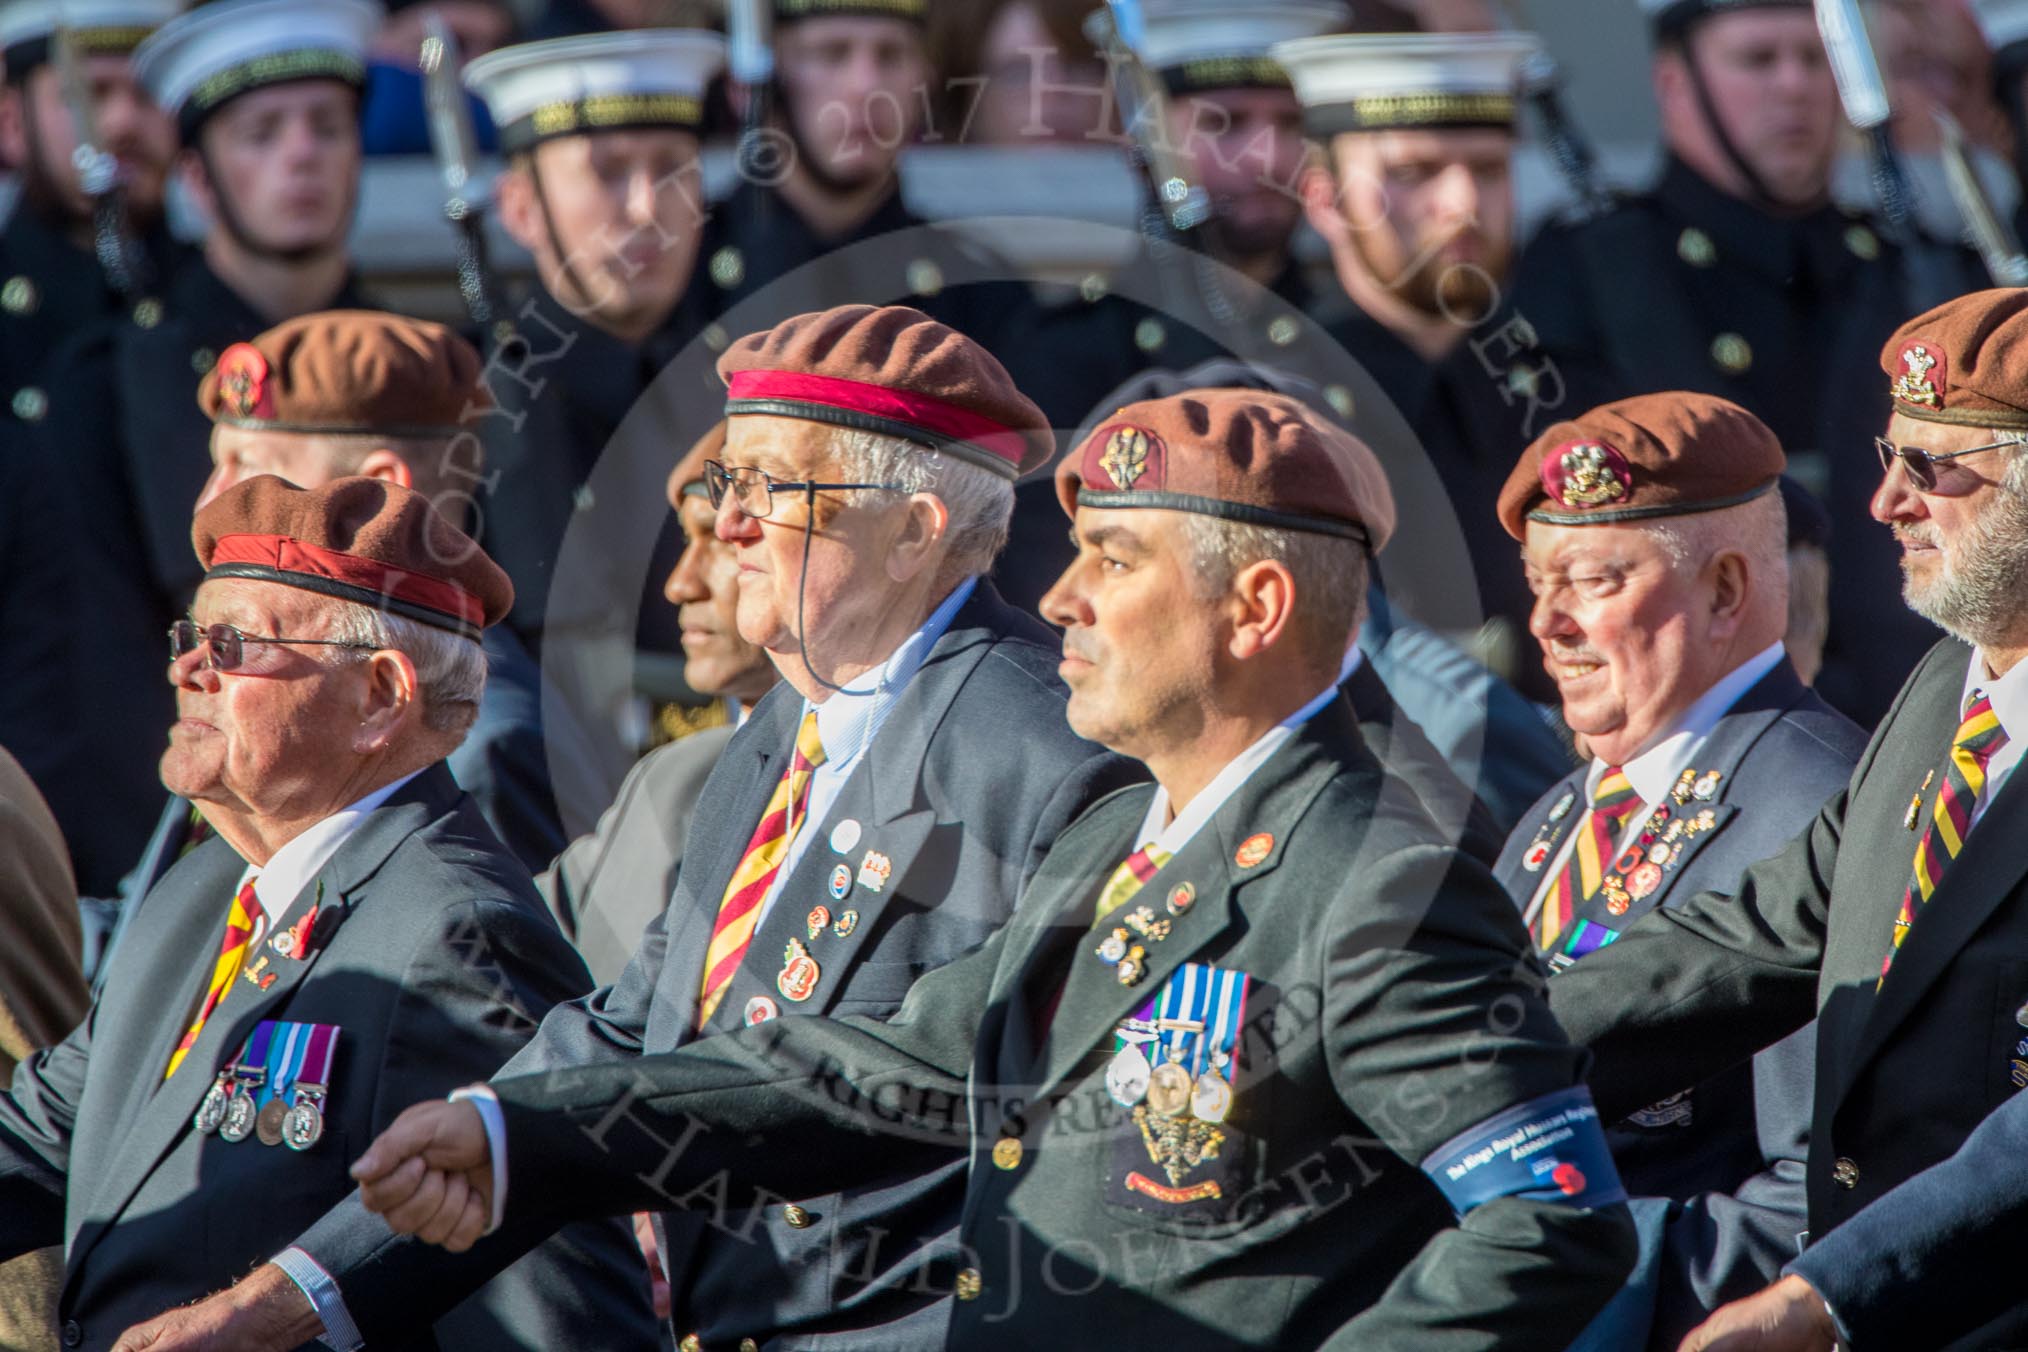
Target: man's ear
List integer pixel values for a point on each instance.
(391, 696)
(1263, 601)
(197, 182)
(1731, 583)
(520, 215)
(384, 464)
(918, 542)
(13, 126)
(1318, 187)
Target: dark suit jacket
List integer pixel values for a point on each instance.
(1903, 1075)
(1392, 1009)
(1732, 1149)
(440, 964)
(971, 778)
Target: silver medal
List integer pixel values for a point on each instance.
(304, 1125)
(211, 1112)
(1127, 1076)
(240, 1115)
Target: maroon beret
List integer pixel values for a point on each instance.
(358, 539)
(1652, 455)
(892, 370)
(1242, 455)
(1964, 362)
(347, 371)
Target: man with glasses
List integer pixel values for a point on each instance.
(350, 939)
(875, 818)
(1899, 918)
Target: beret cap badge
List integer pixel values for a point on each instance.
(242, 375)
(1126, 455)
(1922, 377)
(1587, 474)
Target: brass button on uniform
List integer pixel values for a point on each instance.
(691, 1343)
(1150, 335)
(19, 296)
(728, 267)
(969, 1284)
(797, 1218)
(1694, 247)
(748, 1345)
(1863, 243)
(1845, 1173)
(30, 404)
(1007, 1153)
(202, 360)
(1732, 353)
(148, 313)
(924, 277)
(1283, 330)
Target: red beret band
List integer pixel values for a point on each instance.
(284, 559)
(877, 408)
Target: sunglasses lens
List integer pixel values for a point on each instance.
(1921, 469)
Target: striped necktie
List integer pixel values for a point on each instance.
(239, 931)
(1129, 878)
(1613, 804)
(1979, 739)
(740, 910)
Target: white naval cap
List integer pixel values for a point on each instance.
(645, 77)
(1214, 44)
(1377, 81)
(202, 59)
(96, 27)
(2002, 22)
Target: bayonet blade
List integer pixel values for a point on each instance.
(1853, 64)
(1996, 244)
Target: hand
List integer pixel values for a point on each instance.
(658, 1280)
(431, 1175)
(1786, 1317)
(264, 1313)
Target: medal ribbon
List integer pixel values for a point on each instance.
(255, 1052)
(323, 1046)
(284, 1055)
(1226, 1015)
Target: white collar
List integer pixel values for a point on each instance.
(1654, 771)
(2009, 693)
(296, 863)
(847, 721)
(1174, 835)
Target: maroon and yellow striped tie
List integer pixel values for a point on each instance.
(1979, 738)
(239, 931)
(1613, 803)
(740, 909)
(1130, 877)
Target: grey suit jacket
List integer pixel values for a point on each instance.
(1731, 1149)
(1391, 1011)
(607, 886)
(963, 790)
(1905, 1072)
(433, 957)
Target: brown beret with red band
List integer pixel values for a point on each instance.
(1241, 455)
(891, 370)
(357, 539)
(1964, 362)
(347, 371)
(1654, 455)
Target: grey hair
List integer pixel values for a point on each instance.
(980, 502)
(1758, 529)
(450, 670)
(1330, 575)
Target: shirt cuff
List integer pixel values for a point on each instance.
(340, 1333)
(482, 1097)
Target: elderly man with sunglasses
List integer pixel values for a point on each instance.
(1899, 918)
(350, 939)
(874, 818)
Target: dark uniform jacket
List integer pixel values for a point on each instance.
(433, 957)
(1686, 288)
(1391, 1009)
(971, 777)
(1904, 1074)
(1732, 1148)
(127, 440)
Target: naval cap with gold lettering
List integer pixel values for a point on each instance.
(908, 11)
(1407, 81)
(203, 59)
(1243, 455)
(1654, 455)
(640, 79)
(1199, 45)
(94, 27)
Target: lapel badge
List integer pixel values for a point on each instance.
(1629, 859)
(1133, 965)
(844, 836)
(1616, 896)
(817, 920)
(760, 1009)
(841, 881)
(873, 870)
(1182, 898)
(1253, 849)
(258, 975)
(1537, 856)
(1141, 920)
(294, 942)
(1113, 947)
(846, 922)
(800, 973)
(1701, 822)
(1706, 786)
(1680, 794)
(1914, 813)
(1562, 808)
(1645, 878)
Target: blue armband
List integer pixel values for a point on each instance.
(1549, 1149)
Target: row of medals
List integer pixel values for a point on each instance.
(1168, 1089)
(228, 1109)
